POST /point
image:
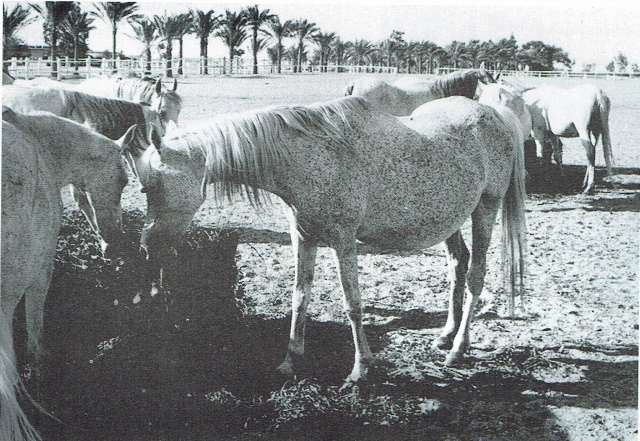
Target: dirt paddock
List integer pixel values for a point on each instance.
(199, 362)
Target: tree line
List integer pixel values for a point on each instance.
(67, 28)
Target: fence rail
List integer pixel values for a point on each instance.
(188, 67)
(67, 69)
(554, 73)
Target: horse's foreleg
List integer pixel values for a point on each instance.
(304, 251)
(590, 175)
(347, 262)
(458, 263)
(483, 219)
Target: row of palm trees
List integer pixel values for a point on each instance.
(65, 22)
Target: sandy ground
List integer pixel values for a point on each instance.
(577, 332)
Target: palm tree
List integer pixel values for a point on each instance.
(255, 20)
(278, 32)
(361, 51)
(204, 23)
(168, 27)
(233, 33)
(324, 42)
(303, 30)
(339, 49)
(12, 22)
(76, 27)
(184, 26)
(53, 13)
(456, 53)
(113, 13)
(145, 31)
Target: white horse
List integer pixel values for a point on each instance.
(578, 112)
(149, 90)
(41, 153)
(107, 116)
(406, 94)
(348, 171)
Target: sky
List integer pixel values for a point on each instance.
(590, 31)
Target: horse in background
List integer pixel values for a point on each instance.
(145, 89)
(41, 153)
(406, 94)
(579, 112)
(330, 163)
(500, 96)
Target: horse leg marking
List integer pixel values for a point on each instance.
(304, 250)
(483, 219)
(458, 264)
(347, 263)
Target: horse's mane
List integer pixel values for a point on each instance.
(244, 150)
(142, 89)
(462, 82)
(110, 117)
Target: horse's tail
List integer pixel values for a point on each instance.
(514, 228)
(349, 89)
(14, 425)
(604, 106)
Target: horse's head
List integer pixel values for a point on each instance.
(173, 185)
(167, 102)
(484, 76)
(104, 185)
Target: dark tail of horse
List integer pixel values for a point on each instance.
(14, 425)
(604, 107)
(514, 229)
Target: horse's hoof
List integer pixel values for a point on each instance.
(453, 359)
(285, 368)
(443, 343)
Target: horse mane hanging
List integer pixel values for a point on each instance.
(463, 83)
(110, 116)
(244, 149)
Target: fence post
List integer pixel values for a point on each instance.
(87, 63)
(26, 68)
(14, 65)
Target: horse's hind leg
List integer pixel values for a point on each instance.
(589, 176)
(458, 263)
(483, 219)
(304, 250)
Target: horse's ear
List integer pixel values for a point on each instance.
(127, 138)
(155, 137)
(159, 86)
(498, 76)
(175, 84)
(482, 66)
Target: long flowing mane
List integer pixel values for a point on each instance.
(142, 89)
(242, 152)
(110, 117)
(461, 83)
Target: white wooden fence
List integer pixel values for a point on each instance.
(552, 73)
(67, 69)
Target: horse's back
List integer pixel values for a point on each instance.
(28, 99)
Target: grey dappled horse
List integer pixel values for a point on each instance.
(406, 94)
(348, 172)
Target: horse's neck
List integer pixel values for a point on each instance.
(67, 153)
